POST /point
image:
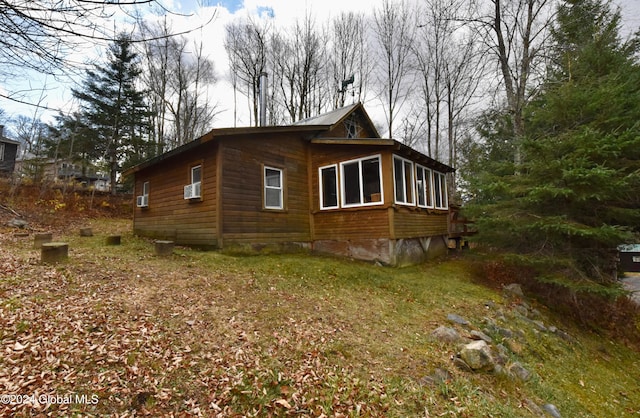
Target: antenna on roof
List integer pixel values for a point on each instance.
(343, 88)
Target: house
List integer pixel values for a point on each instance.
(8, 153)
(328, 183)
(629, 256)
(61, 171)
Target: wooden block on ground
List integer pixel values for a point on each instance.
(164, 247)
(113, 240)
(42, 238)
(54, 252)
(86, 232)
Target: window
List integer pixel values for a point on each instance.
(1, 151)
(329, 187)
(351, 127)
(193, 190)
(273, 190)
(142, 201)
(361, 182)
(403, 180)
(423, 184)
(440, 190)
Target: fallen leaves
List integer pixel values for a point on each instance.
(145, 343)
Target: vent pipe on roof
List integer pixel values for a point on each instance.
(263, 99)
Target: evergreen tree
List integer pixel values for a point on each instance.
(115, 108)
(577, 194)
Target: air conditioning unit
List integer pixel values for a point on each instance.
(192, 191)
(142, 201)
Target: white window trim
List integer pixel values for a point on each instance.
(444, 199)
(194, 187)
(342, 177)
(412, 181)
(142, 201)
(429, 182)
(321, 188)
(266, 187)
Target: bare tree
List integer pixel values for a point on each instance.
(516, 33)
(246, 45)
(41, 35)
(394, 32)
(348, 58)
(298, 61)
(178, 77)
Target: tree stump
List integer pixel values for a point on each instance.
(164, 247)
(54, 252)
(39, 239)
(86, 232)
(113, 240)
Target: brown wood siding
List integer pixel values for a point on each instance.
(412, 222)
(348, 224)
(244, 220)
(169, 215)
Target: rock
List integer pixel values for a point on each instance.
(533, 407)
(437, 377)
(446, 334)
(457, 319)
(461, 365)
(517, 370)
(18, 223)
(540, 325)
(513, 290)
(552, 410)
(522, 310)
(479, 335)
(477, 355)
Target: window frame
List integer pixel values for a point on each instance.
(2, 150)
(144, 202)
(321, 186)
(193, 184)
(362, 202)
(428, 181)
(411, 182)
(266, 187)
(440, 179)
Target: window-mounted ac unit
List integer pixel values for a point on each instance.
(142, 201)
(192, 191)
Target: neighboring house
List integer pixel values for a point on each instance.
(8, 153)
(327, 183)
(629, 257)
(60, 171)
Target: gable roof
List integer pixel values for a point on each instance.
(333, 118)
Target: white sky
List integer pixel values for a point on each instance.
(58, 95)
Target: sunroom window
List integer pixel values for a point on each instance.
(423, 186)
(440, 190)
(403, 180)
(361, 182)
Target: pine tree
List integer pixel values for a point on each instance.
(115, 108)
(576, 196)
